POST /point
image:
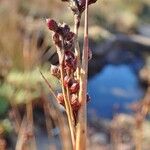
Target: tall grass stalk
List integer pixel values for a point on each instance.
(72, 71)
(82, 117)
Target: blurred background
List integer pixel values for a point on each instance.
(119, 72)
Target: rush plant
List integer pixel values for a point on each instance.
(72, 71)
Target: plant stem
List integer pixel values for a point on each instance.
(17, 117)
(50, 88)
(67, 101)
(20, 145)
(30, 125)
(59, 119)
(67, 104)
(82, 116)
(77, 18)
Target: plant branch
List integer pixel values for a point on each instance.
(82, 116)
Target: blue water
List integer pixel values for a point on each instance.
(112, 90)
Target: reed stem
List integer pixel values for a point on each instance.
(82, 116)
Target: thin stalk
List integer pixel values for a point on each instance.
(30, 124)
(47, 115)
(50, 88)
(82, 116)
(67, 103)
(17, 117)
(60, 120)
(138, 135)
(77, 18)
(20, 145)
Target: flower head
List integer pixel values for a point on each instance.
(78, 6)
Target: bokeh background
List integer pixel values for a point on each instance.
(119, 33)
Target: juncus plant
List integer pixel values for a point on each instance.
(72, 71)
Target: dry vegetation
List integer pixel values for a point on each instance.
(28, 108)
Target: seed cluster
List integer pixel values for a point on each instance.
(78, 5)
(72, 71)
(61, 30)
(64, 38)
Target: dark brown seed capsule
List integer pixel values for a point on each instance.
(69, 63)
(60, 98)
(57, 40)
(52, 25)
(55, 71)
(68, 45)
(83, 2)
(75, 103)
(69, 54)
(66, 30)
(68, 81)
(69, 36)
(68, 70)
(74, 87)
(70, 59)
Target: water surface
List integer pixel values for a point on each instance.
(113, 89)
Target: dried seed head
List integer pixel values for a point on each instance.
(69, 36)
(68, 45)
(65, 29)
(74, 87)
(78, 5)
(69, 54)
(82, 4)
(56, 39)
(52, 25)
(60, 98)
(68, 81)
(55, 71)
(70, 60)
(68, 70)
(74, 102)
